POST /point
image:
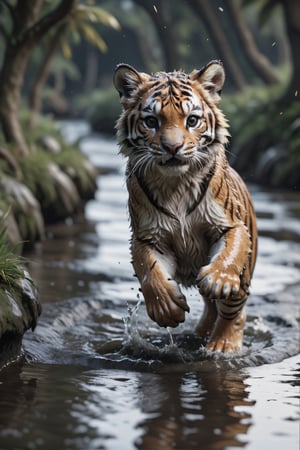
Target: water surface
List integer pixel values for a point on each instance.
(98, 374)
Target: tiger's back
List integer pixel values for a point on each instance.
(191, 214)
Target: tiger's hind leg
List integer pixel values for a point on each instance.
(227, 335)
(208, 318)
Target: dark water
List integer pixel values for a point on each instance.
(98, 374)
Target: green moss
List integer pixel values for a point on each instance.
(36, 176)
(11, 271)
(35, 167)
(249, 111)
(10, 264)
(73, 162)
(45, 125)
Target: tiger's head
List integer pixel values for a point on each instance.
(170, 121)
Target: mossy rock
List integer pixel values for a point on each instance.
(19, 311)
(55, 175)
(24, 222)
(19, 302)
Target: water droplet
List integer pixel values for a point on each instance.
(221, 9)
(170, 336)
(273, 44)
(155, 8)
(296, 93)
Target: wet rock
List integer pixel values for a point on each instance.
(12, 230)
(27, 221)
(67, 200)
(30, 298)
(49, 143)
(19, 311)
(87, 186)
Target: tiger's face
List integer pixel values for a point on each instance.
(170, 121)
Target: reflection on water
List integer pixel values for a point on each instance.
(98, 374)
(114, 409)
(71, 407)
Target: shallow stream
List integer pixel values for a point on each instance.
(98, 374)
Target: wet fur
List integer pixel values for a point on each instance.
(192, 218)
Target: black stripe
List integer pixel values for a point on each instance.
(147, 109)
(230, 316)
(234, 305)
(203, 188)
(151, 244)
(156, 94)
(231, 210)
(151, 199)
(227, 196)
(187, 93)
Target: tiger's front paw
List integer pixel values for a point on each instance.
(165, 303)
(218, 284)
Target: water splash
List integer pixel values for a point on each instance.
(170, 336)
(131, 321)
(161, 348)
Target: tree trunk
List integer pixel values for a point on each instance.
(11, 81)
(203, 10)
(291, 11)
(26, 33)
(35, 96)
(256, 59)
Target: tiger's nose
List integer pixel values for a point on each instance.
(172, 148)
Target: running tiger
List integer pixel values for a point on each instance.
(192, 218)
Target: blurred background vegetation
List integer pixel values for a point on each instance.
(57, 58)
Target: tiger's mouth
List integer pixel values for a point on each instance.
(173, 162)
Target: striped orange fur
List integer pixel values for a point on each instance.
(192, 218)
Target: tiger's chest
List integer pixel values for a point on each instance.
(191, 249)
(184, 234)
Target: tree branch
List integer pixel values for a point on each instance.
(10, 10)
(3, 32)
(204, 11)
(42, 26)
(256, 59)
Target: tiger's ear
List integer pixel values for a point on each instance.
(126, 80)
(211, 77)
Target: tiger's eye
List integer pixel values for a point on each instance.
(192, 121)
(150, 122)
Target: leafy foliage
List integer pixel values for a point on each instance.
(258, 124)
(81, 22)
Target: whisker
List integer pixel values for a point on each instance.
(139, 161)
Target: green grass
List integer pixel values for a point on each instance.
(10, 263)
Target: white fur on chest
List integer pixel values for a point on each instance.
(184, 238)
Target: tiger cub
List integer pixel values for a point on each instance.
(192, 218)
